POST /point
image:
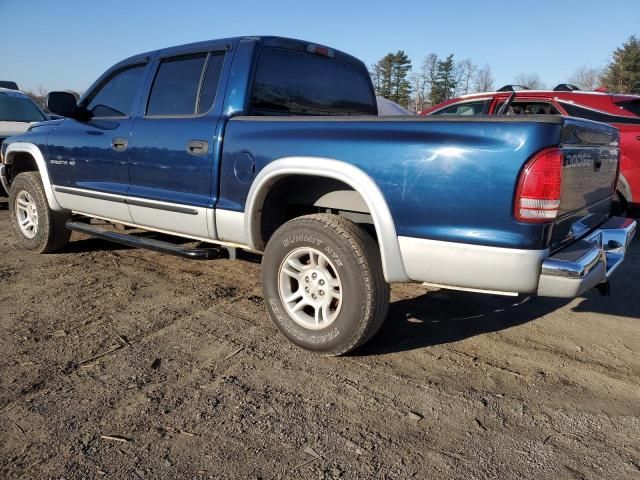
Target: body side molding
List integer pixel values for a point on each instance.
(35, 152)
(394, 270)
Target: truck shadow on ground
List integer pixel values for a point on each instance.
(445, 316)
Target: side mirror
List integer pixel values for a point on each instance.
(62, 103)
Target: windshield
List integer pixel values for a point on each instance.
(15, 107)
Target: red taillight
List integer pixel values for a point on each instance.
(539, 187)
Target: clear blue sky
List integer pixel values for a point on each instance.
(68, 43)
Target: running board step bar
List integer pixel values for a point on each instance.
(147, 243)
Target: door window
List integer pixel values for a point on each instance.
(179, 79)
(175, 87)
(527, 107)
(116, 95)
(467, 108)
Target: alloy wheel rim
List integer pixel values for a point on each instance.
(26, 214)
(310, 288)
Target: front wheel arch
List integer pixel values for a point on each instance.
(25, 154)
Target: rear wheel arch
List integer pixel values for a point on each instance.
(360, 186)
(24, 157)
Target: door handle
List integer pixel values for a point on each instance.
(119, 144)
(197, 147)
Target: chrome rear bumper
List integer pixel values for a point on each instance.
(589, 262)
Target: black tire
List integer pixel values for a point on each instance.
(355, 257)
(620, 207)
(50, 234)
(4, 198)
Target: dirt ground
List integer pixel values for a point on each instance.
(124, 363)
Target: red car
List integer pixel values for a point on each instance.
(621, 111)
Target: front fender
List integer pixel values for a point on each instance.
(33, 150)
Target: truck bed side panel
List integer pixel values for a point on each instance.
(443, 180)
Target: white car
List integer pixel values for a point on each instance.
(388, 108)
(17, 113)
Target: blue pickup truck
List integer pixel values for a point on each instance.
(274, 145)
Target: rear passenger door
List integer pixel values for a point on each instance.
(172, 159)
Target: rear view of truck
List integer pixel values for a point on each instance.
(574, 184)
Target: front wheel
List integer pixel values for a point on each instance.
(323, 283)
(37, 227)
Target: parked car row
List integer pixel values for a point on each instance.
(620, 111)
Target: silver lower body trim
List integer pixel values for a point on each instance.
(473, 267)
(230, 226)
(588, 262)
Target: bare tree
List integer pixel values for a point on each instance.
(38, 95)
(586, 78)
(374, 72)
(530, 80)
(422, 81)
(484, 80)
(465, 71)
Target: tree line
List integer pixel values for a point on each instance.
(441, 78)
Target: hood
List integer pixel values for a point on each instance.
(8, 129)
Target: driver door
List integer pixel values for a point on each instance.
(88, 160)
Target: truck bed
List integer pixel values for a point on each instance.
(450, 179)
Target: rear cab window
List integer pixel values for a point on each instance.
(289, 82)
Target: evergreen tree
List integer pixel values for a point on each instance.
(623, 73)
(401, 87)
(444, 85)
(383, 71)
(390, 77)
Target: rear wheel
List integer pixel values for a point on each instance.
(323, 283)
(37, 227)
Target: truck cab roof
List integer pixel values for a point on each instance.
(265, 40)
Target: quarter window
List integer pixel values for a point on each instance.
(210, 82)
(467, 108)
(595, 115)
(115, 97)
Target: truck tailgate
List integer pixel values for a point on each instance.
(589, 176)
